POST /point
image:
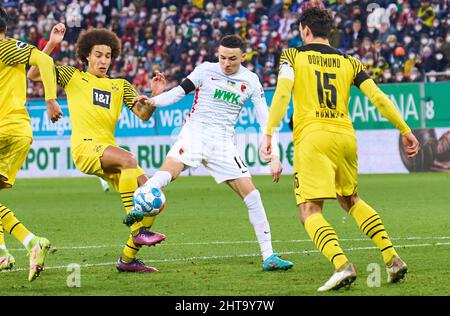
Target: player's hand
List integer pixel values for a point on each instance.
(158, 84)
(143, 99)
(53, 110)
(410, 144)
(266, 148)
(57, 34)
(275, 168)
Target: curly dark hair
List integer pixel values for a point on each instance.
(318, 20)
(93, 37)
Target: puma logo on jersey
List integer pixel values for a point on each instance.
(226, 96)
(214, 78)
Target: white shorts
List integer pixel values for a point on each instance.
(220, 157)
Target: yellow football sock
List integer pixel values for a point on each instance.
(2, 240)
(13, 226)
(148, 221)
(325, 239)
(130, 250)
(127, 185)
(370, 224)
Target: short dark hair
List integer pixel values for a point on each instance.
(3, 20)
(90, 38)
(232, 41)
(318, 20)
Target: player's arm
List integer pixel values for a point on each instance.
(46, 67)
(56, 37)
(281, 97)
(386, 108)
(192, 82)
(138, 104)
(262, 114)
(172, 96)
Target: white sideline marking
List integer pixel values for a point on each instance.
(234, 242)
(87, 265)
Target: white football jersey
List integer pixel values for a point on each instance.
(219, 98)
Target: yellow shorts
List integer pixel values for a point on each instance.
(325, 164)
(86, 157)
(13, 151)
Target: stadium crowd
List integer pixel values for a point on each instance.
(398, 41)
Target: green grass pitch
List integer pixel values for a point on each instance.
(211, 248)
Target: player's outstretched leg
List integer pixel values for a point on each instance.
(159, 180)
(371, 225)
(258, 218)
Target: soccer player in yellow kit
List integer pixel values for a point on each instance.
(95, 103)
(16, 137)
(325, 155)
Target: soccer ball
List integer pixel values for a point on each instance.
(149, 202)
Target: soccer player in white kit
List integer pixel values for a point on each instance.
(207, 136)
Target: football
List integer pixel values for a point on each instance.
(149, 202)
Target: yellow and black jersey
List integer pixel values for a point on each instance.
(320, 78)
(14, 56)
(94, 103)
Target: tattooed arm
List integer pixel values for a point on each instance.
(139, 103)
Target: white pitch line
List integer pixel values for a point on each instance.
(232, 242)
(88, 265)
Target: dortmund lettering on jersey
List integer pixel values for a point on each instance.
(94, 103)
(14, 118)
(322, 79)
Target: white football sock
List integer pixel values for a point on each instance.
(258, 218)
(159, 180)
(27, 239)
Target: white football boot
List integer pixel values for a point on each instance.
(339, 279)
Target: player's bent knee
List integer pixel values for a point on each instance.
(347, 202)
(129, 162)
(309, 208)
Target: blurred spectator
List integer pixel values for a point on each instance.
(426, 13)
(411, 37)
